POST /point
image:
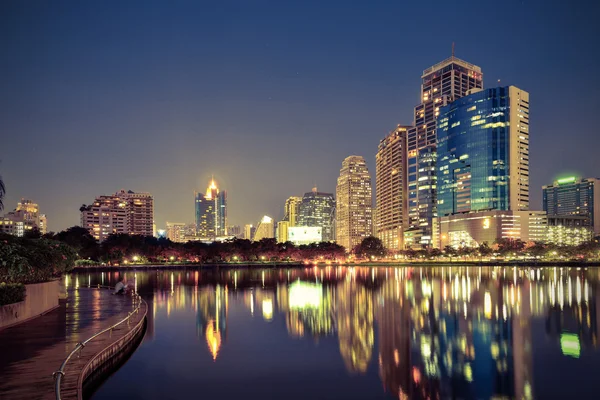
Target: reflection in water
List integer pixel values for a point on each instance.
(446, 332)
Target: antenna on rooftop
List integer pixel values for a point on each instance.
(452, 49)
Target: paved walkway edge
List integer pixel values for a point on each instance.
(118, 349)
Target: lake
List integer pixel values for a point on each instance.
(362, 333)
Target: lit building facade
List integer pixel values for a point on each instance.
(282, 231)
(176, 232)
(107, 215)
(572, 202)
(24, 218)
(124, 212)
(475, 228)
(390, 190)
(318, 209)
(140, 212)
(249, 231)
(211, 212)
(441, 84)
(568, 235)
(300, 235)
(292, 205)
(235, 230)
(483, 152)
(265, 229)
(354, 218)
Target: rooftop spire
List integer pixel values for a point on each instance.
(452, 49)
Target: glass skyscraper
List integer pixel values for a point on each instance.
(441, 84)
(483, 152)
(318, 209)
(211, 212)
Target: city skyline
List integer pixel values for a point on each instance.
(169, 96)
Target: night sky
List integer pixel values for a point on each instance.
(269, 96)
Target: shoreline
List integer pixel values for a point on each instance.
(388, 264)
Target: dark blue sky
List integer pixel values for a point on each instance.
(269, 96)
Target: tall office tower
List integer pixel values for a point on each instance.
(265, 229)
(390, 189)
(282, 231)
(107, 215)
(249, 231)
(291, 210)
(483, 152)
(441, 84)
(572, 202)
(354, 217)
(176, 232)
(318, 209)
(140, 212)
(211, 212)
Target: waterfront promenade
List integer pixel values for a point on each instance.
(32, 351)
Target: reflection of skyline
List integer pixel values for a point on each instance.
(441, 332)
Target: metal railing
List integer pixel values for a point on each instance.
(58, 375)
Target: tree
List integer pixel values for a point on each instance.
(370, 247)
(450, 252)
(81, 240)
(33, 233)
(484, 250)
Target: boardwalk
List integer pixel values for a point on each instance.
(31, 352)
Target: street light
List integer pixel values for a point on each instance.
(171, 258)
(135, 258)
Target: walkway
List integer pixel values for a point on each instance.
(31, 352)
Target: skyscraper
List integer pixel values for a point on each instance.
(353, 209)
(249, 231)
(318, 209)
(572, 202)
(265, 229)
(124, 212)
(292, 205)
(483, 152)
(211, 212)
(483, 170)
(441, 84)
(282, 231)
(390, 189)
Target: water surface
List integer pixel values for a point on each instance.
(363, 333)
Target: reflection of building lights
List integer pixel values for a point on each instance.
(569, 345)
(487, 305)
(267, 308)
(305, 295)
(468, 373)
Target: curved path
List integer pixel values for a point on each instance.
(32, 351)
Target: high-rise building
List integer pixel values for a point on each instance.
(441, 84)
(234, 230)
(318, 209)
(282, 231)
(292, 205)
(265, 229)
(211, 212)
(43, 226)
(573, 202)
(249, 231)
(176, 232)
(390, 189)
(483, 152)
(23, 219)
(354, 217)
(107, 215)
(140, 212)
